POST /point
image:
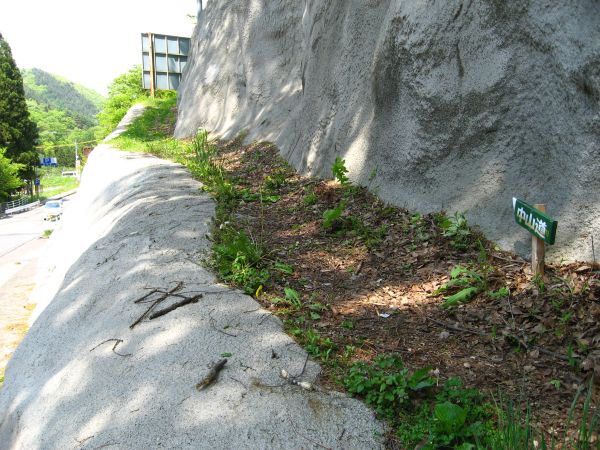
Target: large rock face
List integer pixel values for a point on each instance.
(455, 104)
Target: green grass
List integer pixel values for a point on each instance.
(151, 132)
(53, 183)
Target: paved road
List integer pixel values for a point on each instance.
(18, 234)
(21, 245)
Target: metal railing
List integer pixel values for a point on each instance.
(17, 206)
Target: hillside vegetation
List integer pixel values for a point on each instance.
(56, 93)
(448, 338)
(64, 112)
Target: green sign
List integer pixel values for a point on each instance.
(535, 221)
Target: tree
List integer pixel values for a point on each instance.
(123, 93)
(9, 176)
(18, 133)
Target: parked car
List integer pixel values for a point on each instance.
(53, 210)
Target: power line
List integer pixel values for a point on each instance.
(62, 145)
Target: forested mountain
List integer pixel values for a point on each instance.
(55, 93)
(65, 113)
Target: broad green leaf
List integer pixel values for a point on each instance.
(452, 417)
(461, 297)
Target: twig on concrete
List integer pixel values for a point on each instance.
(108, 444)
(265, 317)
(303, 367)
(156, 302)
(83, 441)
(174, 306)
(212, 374)
(144, 297)
(111, 256)
(114, 349)
(238, 381)
(214, 327)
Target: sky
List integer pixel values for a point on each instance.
(89, 42)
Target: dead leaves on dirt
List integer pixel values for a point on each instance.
(375, 276)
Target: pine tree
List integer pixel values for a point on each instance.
(18, 133)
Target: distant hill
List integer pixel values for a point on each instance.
(64, 112)
(52, 92)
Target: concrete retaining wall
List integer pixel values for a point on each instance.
(456, 105)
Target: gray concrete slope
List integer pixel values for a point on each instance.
(456, 105)
(139, 223)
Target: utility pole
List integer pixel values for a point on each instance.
(151, 56)
(76, 161)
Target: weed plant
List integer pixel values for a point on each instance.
(239, 260)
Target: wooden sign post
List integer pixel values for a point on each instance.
(541, 227)
(538, 249)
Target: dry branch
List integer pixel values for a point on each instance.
(174, 306)
(156, 302)
(114, 349)
(212, 374)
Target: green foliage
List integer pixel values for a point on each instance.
(283, 268)
(515, 431)
(9, 176)
(53, 93)
(124, 92)
(456, 228)
(456, 417)
(503, 292)
(53, 183)
(450, 417)
(339, 171)
(386, 384)
(468, 282)
(310, 199)
(237, 258)
(275, 181)
(292, 298)
(331, 215)
(316, 345)
(18, 133)
(212, 174)
(371, 236)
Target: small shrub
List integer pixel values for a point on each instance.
(339, 171)
(458, 418)
(386, 384)
(292, 298)
(275, 181)
(330, 216)
(456, 228)
(310, 199)
(238, 259)
(318, 346)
